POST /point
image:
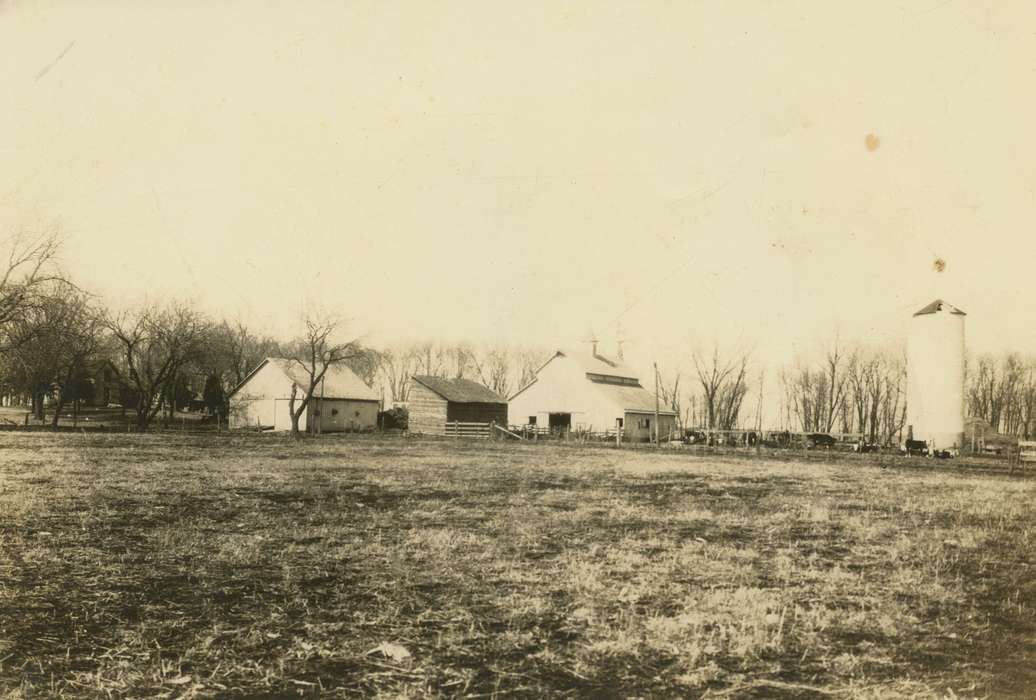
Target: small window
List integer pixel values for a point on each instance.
(647, 423)
(532, 420)
(316, 412)
(334, 411)
(620, 422)
(357, 414)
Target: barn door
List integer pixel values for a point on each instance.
(559, 422)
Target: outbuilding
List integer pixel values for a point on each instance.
(437, 405)
(342, 401)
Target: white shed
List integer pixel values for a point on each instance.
(342, 402)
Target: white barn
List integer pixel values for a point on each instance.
(581, 391)
(343, 402)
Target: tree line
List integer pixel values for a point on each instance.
(59, 341)
(60, 346)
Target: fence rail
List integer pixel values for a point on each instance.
(471, 430)
(1027, 451)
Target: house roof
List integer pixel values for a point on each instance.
(339, 382)
(459, 390)
(632, 398)
(937, 306)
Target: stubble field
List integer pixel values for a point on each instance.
(253, 566)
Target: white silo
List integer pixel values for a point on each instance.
(935, 376)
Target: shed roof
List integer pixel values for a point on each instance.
(339, 382)
(632, 398)
(459, 390)
(937, 306)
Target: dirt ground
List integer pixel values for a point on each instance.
(348, 566)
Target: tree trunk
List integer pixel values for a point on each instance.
(294, 415)
(37, 405)
(144, 413)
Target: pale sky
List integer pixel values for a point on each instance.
(525, 171)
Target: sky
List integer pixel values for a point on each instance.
(754, 174)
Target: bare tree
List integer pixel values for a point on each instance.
(431, 360)
(759, 400)
(365, 364)
(398, 363)
(859, 389)
(491, 366)
(245, 349)
(227, 353)
(34, 356)
(669, 394)
(1028, 401)
(153, 344)
(314, 352)
(723, 387)
(25, 277)
(835, 380)
(79, 340)
(1002, 391)
(527, 363)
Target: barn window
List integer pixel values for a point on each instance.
(357, 414)
(619, 421)
(647, 423)
(334, 411)
(316, 412)
(532, 420)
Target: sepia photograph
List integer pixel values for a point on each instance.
(476, 349)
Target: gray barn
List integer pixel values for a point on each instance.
(434, 402)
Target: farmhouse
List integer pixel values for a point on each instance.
(579, 391)
(341, 402)
(437, 402)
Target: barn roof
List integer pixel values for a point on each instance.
(632, 398)
(937, 306)
(599, 364)
(460, 390)
(589, 364)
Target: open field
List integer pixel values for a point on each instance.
(203, 566)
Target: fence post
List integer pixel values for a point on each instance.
(618, 432)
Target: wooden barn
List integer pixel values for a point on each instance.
(438, 406)
(342, 401)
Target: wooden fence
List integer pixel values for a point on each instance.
(469, 430)
(1026, 451)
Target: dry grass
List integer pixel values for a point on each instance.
(205, 566)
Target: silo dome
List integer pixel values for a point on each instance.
(935, 376)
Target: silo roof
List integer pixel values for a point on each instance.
(937, 306)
